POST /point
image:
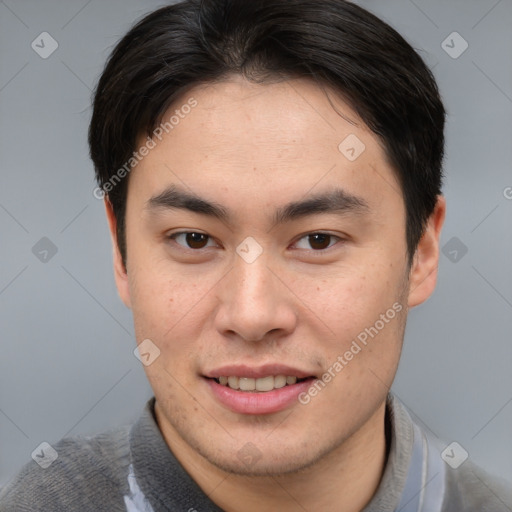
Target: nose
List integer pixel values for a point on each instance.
(255, 303)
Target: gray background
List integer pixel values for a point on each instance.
(66, 361)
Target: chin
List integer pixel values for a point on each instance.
(273, 459)
(265, 468)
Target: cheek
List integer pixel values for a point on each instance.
(170, 306)
(361, 345)
(352, 299)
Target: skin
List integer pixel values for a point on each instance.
(252, 149)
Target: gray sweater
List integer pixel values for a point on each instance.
(131, 469)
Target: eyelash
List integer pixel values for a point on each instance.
(175, 235)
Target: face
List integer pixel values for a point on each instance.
(266, 245)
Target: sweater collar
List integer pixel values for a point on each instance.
(168, 487)
(162, 479)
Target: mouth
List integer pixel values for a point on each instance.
(259, 385)
(264, 390)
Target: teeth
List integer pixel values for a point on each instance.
(265, 384)
(247, 384)
(262, 384)
(233, 382)
(279, 381)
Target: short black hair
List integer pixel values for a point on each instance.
(334, 42)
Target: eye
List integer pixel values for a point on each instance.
(317, 241)
(191, 239)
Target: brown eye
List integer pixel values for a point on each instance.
(191, 239)
(196, 240)
(319, 241)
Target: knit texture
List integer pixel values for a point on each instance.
(91, 474)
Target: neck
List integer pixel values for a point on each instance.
(346, 477)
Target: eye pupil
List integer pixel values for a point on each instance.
(319, 240)
(196, 240)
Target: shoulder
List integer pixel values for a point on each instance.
(88, 472)
(470, 488)
(465, 488)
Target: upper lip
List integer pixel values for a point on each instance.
(257, 372)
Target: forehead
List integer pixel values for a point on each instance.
(291, 136)
(287, 115)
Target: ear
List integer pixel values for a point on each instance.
(423, 273)
(120, 273)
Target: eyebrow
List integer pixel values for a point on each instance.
(336, 201)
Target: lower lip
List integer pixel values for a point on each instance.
(247, 402)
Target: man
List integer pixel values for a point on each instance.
(272, 177)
